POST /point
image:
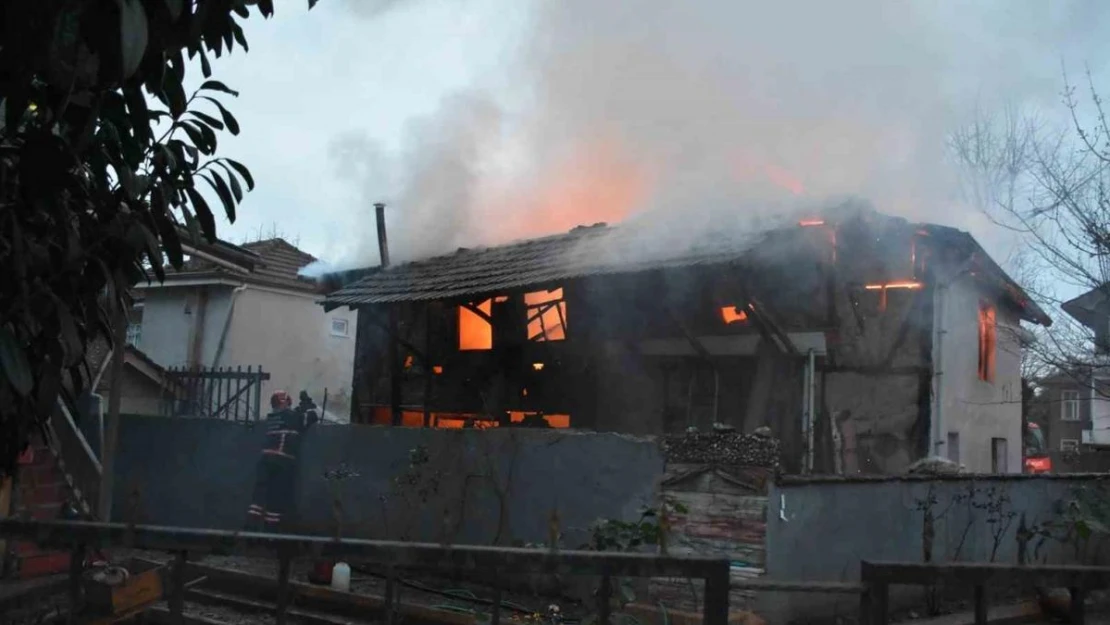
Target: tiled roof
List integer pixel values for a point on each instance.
(584, 251)
(277, 265)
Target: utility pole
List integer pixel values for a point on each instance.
(111, 435)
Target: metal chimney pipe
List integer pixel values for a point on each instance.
(383, 243)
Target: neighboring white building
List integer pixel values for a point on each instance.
(246, 306)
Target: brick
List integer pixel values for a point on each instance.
(50, 563)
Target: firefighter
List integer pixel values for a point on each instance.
(277, 468)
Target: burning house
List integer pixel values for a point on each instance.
(863, 342)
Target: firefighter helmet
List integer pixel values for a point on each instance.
(280, 399)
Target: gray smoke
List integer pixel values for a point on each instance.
(694, 110)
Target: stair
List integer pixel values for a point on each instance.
(41, 491)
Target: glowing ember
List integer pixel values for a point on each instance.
(408, 362)
(731, 315)
(811, 222)
(475, 333)
(437, 369)
(907, 284)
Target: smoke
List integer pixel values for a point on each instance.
(680, 113)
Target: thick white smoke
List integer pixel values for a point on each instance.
(657, 107)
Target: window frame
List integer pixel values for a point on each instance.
(1069, 399)
(987, 340)
(346, 333)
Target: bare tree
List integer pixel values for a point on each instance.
(1049, 186)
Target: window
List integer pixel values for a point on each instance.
(987, 341)
(1069, 444)
(475, 327)
(339, 327)
(134, 334)
(1069, 405)
(999, 450)
(954, 447)
(547, 315)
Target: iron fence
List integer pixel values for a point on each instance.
(215, 393)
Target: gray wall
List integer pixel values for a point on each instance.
(833, 523)
(200, 473)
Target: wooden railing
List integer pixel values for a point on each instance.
(78, 537)
(877, 577)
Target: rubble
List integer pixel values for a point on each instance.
(725, 447)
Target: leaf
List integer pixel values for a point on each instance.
(205, 66)
(204, 214)
(208, 119)
(191, 225)
(175, 8)
(236, 190)
(140, 114)
(217, 183)
(237, 32)
(242, 171)
(133, 34)
(167, 229)
(267, 7)
(229, 119)
(215, 85)
(195, 135)
(14, 363)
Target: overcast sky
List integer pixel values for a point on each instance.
(481, 121)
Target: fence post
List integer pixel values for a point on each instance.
(76, 568)
(716, 594)
(177, 588)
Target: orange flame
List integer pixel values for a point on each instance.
(475, 333)
(732, 315)
(551, 325)
(905, 284)
(811, 222)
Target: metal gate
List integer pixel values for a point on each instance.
(215, 393)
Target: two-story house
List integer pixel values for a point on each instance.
(863, 341)
(246, 306)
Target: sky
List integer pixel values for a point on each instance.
(482, 121)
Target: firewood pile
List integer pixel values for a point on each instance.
(723, 446)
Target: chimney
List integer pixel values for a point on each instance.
(383, 244)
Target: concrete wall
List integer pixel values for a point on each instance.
(200, 473)
(976, 410)
(170, 316)
(819, 530)
(290, 335)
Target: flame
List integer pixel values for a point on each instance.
(437, 369)
(475, 333)
(731, 315)
(595, 182)
(538, 366)
(455, 420)
(905, 284)
(811, 222)
(784, 179)
(551, 325)
(408, 361)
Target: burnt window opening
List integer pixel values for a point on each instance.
(475, 326)
(734, 315)
(547, 315)
(987, 341)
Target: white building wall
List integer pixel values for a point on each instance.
(291, 337)
(975, 410)
(171, 313)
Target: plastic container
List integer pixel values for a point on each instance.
(341, 577)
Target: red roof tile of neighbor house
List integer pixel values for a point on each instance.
(277, 263)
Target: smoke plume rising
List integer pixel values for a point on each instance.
(687, 110)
